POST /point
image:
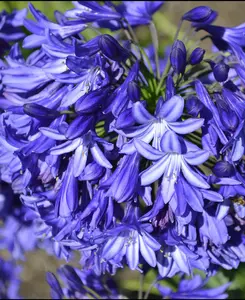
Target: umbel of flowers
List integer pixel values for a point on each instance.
(128, 158)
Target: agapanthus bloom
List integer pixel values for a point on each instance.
(127, 155)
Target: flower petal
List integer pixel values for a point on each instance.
(148, 254)
(52, 133)
(195, 158)
(112, 247)
(155, 171)
(140, 113)
(192, 177)
(172, 109)
(170, 142)
(80, 159)
(66, 147)
(147, 151)
(186, 126)
(99, 156)
(132, 253)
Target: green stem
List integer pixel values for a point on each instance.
(168, 65)
(155, 42)
(150, 288)
(140, 293)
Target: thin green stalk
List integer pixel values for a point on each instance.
(150, 288)
(155, 43)
(168, 65)
(141, 283)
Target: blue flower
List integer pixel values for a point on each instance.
(131, 240)
(139, 12)
(193, 289)
(178, 57)
(112, 16)
(123, 183)
(10, 25)
(196, 56)
(172, 160)
(80, 284)
(82, 145)
(9, 279)
(153, 127)
(41, 28)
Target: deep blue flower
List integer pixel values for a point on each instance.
(196, 56)
(170, 90)
(178, 57)
(198, 14)
(221, 71)
(112, 49)
(223, 169)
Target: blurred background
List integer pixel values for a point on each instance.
(231, 13)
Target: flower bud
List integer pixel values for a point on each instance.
(112, 49)
(193, 106)
(79, 126)
(178, 57)
(229, 119)
(221, 71)
(40, 112)
(93, 101)
(196, 56)
(198, 14)
(223, 169)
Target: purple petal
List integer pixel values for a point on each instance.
(155, 171)
(80, 159)
(192, 177)
(147, 151)
(132, 253)
(238, 148)
(113, 247)
(172, 109)
(99, 156)
(150, 241)
(170, 142)
(66, 147)
(140, 113)
(135, 131)
(148, 254)
(212, 196)
(168, 188)
(186, 126)
(52, 133)
(181, 260)
(196, 158)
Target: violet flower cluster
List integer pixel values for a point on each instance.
(128, 158)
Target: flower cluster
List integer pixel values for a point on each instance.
(128, 158)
